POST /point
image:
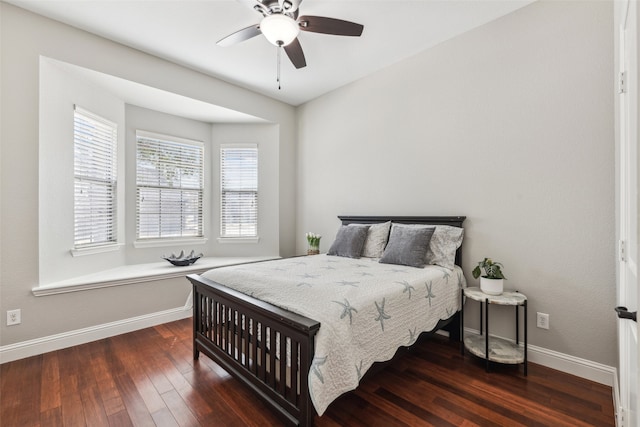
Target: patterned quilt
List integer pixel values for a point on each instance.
(367, 310)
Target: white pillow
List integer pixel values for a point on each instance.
(376, 241)
(443, 246)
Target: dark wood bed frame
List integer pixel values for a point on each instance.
(230, 328)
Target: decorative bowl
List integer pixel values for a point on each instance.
(182, 260)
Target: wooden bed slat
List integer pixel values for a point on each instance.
(254, 346)
(272, 357)
(282, 377)
(293, 389)
(263, 354)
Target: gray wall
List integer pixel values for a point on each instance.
(26, 36)
(511, 125)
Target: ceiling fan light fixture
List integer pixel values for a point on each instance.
(279, 29)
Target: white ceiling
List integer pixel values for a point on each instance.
(186, 32)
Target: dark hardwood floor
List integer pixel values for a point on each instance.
(148, 378)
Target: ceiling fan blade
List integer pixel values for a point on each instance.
(240, 36)
(324, 25)
(295, 54)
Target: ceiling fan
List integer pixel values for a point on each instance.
(281, 25)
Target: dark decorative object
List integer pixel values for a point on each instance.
(182, 259)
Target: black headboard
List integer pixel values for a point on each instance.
(454, 221)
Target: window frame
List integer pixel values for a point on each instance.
(240, 237)
(108, 161)
(160, 241)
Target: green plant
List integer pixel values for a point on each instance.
(492, 270)
(313, 240)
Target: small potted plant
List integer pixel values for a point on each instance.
(314, 243)
(492, 281)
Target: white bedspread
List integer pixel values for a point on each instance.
(367, 310)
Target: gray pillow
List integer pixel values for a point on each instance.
(376, 239)
(443, 245)
(349, 241)
(407, 246)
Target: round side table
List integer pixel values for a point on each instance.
(492, 348)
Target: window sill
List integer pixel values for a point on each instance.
(140, 273)
(225, 240)
(95, 250)
(159, 243)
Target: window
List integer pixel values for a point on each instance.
(169, 182)
(95, 172)
(239, 190)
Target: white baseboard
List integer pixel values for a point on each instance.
(577, 366)
(584, 368)
(42, 345)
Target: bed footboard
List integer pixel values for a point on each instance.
(267, 348)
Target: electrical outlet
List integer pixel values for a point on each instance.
(14, 317)
(542, 320)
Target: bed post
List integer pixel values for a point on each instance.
(307, 410)
(453, 328)
(196, 319)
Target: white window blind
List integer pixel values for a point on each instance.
(95, 171)
(169, 183)
(239, 190)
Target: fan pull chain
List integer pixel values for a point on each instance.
(278, 69)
